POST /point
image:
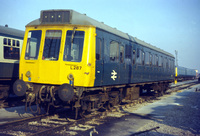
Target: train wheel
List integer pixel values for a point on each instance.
(19, 88)
(66, 92)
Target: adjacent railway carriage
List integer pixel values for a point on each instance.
(183, 73)
(69, 59)
(10, 48)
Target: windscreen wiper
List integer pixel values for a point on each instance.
(73, 33)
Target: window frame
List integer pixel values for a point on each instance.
(11, 53)
(114, 57)
(27, 55)
(67, 57)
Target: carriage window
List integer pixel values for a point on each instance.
(156, 60)
(143, 58)
(150, 59)
(121, 53)
(9, 41)
(18, 44)
(52, 45)
(167, 63)
(33, 45)
(11, 53)
(13, 43)
(140, 57)
(98, 48)
(74, 46)
(160, 61)
(164, 62)
(147, 58)
(114, 51)
(5, 41)
(128, 50)
(134, 56)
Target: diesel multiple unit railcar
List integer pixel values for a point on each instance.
(183, 73)
(10, 48)
(71, 60)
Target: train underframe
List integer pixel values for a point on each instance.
(86, 100)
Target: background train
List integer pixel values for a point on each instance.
(182, 73)
(11, 41)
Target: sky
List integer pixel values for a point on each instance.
(167, 24)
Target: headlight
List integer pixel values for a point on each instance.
(70, 77)
(28, 74)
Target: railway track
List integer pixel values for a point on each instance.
(64, 123)
(43, 124)
(182, 86)
(12, 102)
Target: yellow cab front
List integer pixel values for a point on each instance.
(58, 54)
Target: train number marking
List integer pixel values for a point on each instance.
(74, 67)
(113, 75)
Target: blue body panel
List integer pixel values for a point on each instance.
(118, 73)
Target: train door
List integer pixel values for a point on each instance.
(99, 61)
(111, 73)
(147, 68)
(139, 69)
(135, 75)
(125, 67)
(122, 67)
(141, 64)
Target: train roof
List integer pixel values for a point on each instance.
(75, 18)
(11, 32)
